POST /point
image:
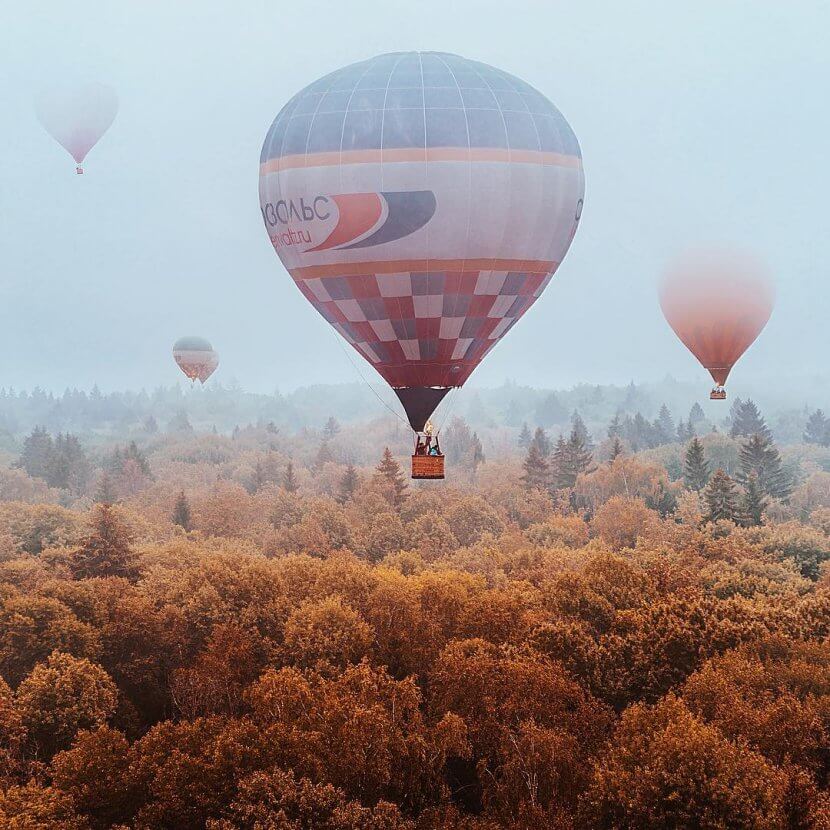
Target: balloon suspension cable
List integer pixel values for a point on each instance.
(360, 375)
(445, 418)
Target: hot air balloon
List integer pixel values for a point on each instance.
(421, 202)
(76, 117)
(717, 302)
(195, 357)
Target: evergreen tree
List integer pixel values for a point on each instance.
(616, 449)
(106, 550)
(150, 425)
(721, 498)
(324, 455)
(550, 411)
(348, 484)
(570, 459)
(542, 442)
(760, 457)
(525, 437)
(695, 466)
(536, 474)
(68, 467)
(331, 428)
(664, 426)
(105, 492)
(289, 480)
(37, 450)
(642, 433)
(685, 431)
(181, 512)
(753, 501)
(615, 427)
(389, 470)
(817, 430)
(696, 414)
(578, 426)
(747, 420)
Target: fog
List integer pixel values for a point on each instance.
(701, 124)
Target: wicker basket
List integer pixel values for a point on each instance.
(427, 466)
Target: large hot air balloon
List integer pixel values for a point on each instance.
(717, 302)
(195, 357)
(76, 117)
(421, 202)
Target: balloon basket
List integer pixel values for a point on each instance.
(79, 170)
(428, 467)
(717, 394)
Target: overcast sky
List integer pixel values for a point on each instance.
(699, 122)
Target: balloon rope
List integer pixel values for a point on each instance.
(360, 374)
(453, 397)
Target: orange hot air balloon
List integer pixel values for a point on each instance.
(717, 303)
(195, 357)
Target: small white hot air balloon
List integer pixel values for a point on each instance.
(77, 116)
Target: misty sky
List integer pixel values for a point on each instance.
(699, 122)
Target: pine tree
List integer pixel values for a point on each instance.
(696, 414)
(181, 512)
(105, 492)
(642, 433)
(664, 426)
(570, 459)
(536, 474)
(348, 484)
(578, 426)
(331, 428)
(550, 411)
(685, 431)
(106, 550)
(817, 430)
(324, 455)
(747, 420)
(616, 449)
(753, 502)
(37, 450)
(525, 437)
(289, 480)
(721, 498)
(390, 470)
(760, 457)
(615, 427)
(695, 466)
(542, 442)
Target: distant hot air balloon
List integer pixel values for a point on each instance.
(717, 303)
(196, 357)
(421, 202)
(76, 117)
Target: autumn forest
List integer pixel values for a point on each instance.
(236, 612)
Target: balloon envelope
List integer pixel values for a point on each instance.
(717, 303)
(421, 202)
(195, 357)
(76, 117)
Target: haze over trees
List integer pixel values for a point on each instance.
(604, 621)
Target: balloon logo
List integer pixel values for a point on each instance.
(195, 357)
(718, 303)
(77, 117)
(421, 202)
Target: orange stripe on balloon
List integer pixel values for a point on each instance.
(475, 154)
(350, 269)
